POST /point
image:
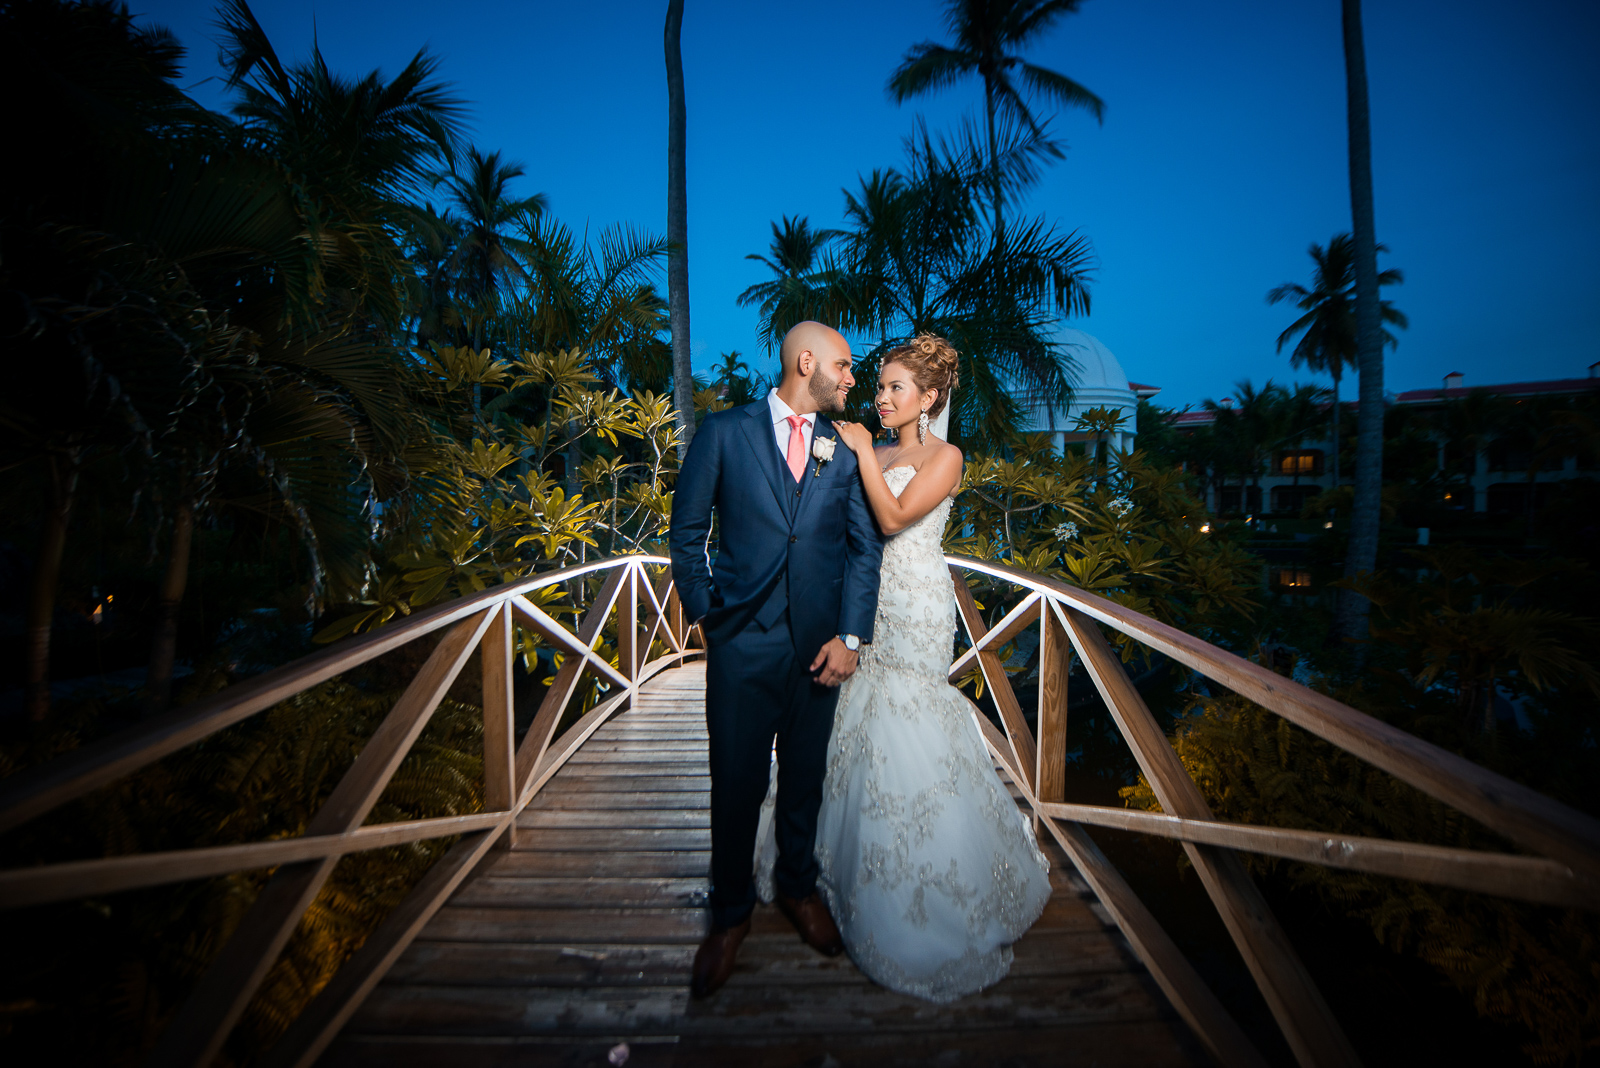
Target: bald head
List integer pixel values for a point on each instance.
(816, 368)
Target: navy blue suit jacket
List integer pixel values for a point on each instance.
(823, 543)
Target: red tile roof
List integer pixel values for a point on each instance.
(1511, 389)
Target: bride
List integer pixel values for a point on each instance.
(929, 868)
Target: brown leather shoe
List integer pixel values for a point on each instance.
(713, 962)
(811, 918)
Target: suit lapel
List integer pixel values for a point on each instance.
(758, 429)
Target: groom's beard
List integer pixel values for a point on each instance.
(825, 391)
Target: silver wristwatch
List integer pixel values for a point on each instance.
(851, 642)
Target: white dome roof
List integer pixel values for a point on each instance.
(1098, 382)
(1097, 368)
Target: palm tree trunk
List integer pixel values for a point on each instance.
(678, 228)
(1362, 554)
(1336, 430)
(164, 646)
(994, 173)
(46, 575)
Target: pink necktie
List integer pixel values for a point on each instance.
(797, 447)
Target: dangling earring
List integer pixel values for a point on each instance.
(922, 427)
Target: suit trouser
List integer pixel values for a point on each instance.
(757, 688)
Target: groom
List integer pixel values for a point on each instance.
(789, 600)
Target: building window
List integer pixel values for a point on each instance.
(1292, 498)
(1291, 579)
(1302, 462)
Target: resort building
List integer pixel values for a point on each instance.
(1487, 465)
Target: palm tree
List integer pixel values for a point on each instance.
(988, 35)
(678, 226)
(916, 258)
(1362, 555)
(801, 283)
(486, 257)
(1327, 329)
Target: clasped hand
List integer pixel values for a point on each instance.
(836, 663)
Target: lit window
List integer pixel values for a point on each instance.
(1294, 579)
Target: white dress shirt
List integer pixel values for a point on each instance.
(780, 426)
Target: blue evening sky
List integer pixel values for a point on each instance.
(1221, 158)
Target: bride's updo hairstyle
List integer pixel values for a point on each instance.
(932, 363)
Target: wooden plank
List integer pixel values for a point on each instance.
(798, 1010)
(578, 964)
(578, 892)
(999, 683)
(350, 986)
(196, 1035)
(1528, 818)
(620, 863)
(1055, 664)
(1148, 1043)
(629, 840)
(772, 961)
(634, 749)
(661, 925)
(85, 878)
(1302, 1014)
(499, 721)
(38, 790)
(551, 797)
(573, 782)
(1536, 879)
(604, 821)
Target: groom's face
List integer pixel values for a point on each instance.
(831, 380)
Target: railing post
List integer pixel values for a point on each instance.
(628, 624)
(1304, 1017)
(1055, 662)
(499, 720)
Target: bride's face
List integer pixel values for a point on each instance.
(899, 400)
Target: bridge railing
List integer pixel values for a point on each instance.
(646, 612)
(1563, 846)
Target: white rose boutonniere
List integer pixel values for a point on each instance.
(822, 449)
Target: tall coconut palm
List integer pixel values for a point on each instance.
(802, 281)
(487, 256)
(916, 259)
(1328, 337)
(678, 225)
(989, 35)
(1362, 555)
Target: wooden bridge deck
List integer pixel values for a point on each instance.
(581, 938)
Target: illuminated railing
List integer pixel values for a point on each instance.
(1564, 871)
(513, 775)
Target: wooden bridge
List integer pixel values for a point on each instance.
(563, 921)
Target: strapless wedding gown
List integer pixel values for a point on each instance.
(929, 868)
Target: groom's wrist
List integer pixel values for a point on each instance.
(851, 642)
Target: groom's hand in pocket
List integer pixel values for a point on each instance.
(833, 664)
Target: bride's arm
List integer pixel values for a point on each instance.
(938, 476)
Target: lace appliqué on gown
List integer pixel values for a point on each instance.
(929, 868)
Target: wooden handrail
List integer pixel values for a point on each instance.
(1521, 814)
(38, 790)
(1068, 618)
